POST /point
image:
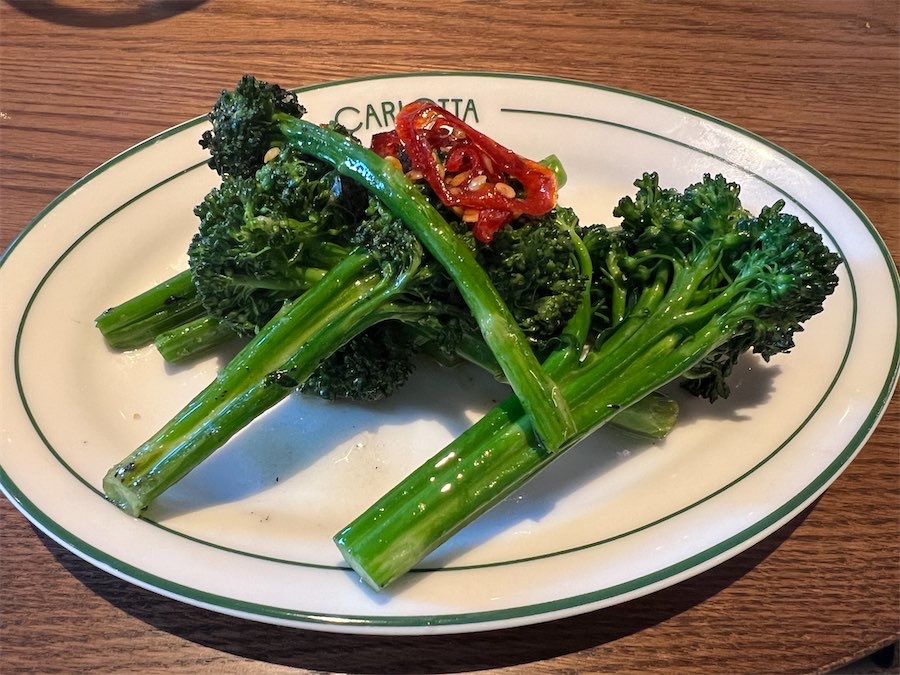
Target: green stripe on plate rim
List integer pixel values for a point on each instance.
(292, 615)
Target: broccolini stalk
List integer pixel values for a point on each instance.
(271, 365)
(137, 321)
(482, 465)
(207, 332)
(688, 277)
(495, 456)
(540, 396)
(193, 338)
(255, 116)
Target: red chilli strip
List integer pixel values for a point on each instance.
(442, 147)
(386, 144)
(489, 223)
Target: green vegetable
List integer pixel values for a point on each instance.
(283, 354)
(257, 116)
(200, 336)
(689, 282)
(334, 293)
(367, 368)
(259, 244)
(139, 320)
(254, 251)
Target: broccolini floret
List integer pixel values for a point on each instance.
(251, 254)
(281, 356)
(687, 282)
(534, 266)
(250, 113)
(256, 116)
(320, 267)
(370, 367)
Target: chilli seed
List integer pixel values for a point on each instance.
(505, 190)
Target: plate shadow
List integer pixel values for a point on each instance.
(111, 15)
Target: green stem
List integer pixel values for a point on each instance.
(622, 329)
(205, 333)
(539, 394)
(280, 357)
(137, 322)
(483, 465)
(193, 339)
(553, 163)
(576, 331)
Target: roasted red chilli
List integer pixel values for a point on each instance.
(486, 184)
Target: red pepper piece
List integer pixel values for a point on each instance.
(467, 169)
(489, 222)
(386, 144)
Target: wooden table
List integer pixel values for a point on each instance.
(83, 80)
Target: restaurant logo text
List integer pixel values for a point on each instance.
(377, 116)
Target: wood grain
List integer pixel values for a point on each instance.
(83, 80)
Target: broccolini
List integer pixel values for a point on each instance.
(687, 283)
(257, 116)
(300, 249)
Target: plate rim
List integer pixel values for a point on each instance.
(198, 119)
(509, 616)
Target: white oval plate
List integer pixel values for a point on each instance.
(249, 532)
